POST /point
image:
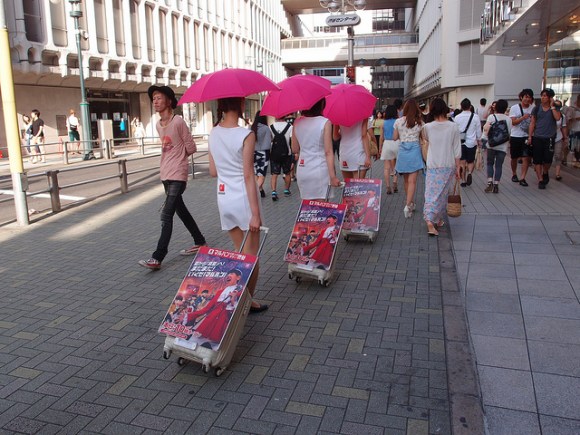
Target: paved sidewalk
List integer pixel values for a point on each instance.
(518, 259)
(79, 351)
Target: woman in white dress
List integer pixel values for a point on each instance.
(355, 155)
(312, 141)
(231, 160)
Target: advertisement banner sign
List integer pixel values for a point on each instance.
(208, 297)
(363, 204)
(315, 234)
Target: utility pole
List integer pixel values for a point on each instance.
(76, 13)
(19, 180)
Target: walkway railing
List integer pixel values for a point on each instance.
(359, 40)
(73, 151)
(146, 150)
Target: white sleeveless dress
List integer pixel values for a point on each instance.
(311, 170)
(352, 151)
(226, 147)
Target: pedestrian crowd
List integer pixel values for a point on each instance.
(410, 138)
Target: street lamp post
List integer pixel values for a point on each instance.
(342, 6)
(76, 13)
(260, 69)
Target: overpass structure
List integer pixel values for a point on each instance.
(401, 48)
(295, 7)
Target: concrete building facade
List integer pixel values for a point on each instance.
(129, 45)
(450, 64)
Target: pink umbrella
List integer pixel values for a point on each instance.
(348, 104)
(230, 82)
(298, 92)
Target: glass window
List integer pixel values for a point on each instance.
(150, 32)
(119, 32)
(32, 20)
(59, 35)
(470, 12)
(215, 49)
(163, 34)
(101, 26)
(206, 46)
(186, 42)
(135, 28)
(175, 38)
(196, 45)
(470, 61)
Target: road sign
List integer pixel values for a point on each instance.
(342, 20)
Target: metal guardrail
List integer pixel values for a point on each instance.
(54, 187)
(102, 149)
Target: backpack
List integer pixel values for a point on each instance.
(498, 133)
(279, 152)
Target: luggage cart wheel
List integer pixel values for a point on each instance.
(324, 282)
(181, 361)
(219, 371)
(205, 368)
(290, 276)
(166, 354)
(346, 238)
(298, 279)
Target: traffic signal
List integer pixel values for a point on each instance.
(351, 74)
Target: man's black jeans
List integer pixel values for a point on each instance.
(174, 204)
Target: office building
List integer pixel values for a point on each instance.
(129, 45)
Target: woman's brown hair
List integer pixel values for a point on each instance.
(412, 114)
(229, 105)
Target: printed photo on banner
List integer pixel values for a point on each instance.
(363, 204)
(315, 233)
(208, 297)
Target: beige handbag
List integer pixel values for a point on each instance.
(454, 201)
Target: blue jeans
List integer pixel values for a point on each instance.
(174, 204)
(494, 163)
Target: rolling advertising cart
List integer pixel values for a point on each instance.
(206, 318)
(312, 246)
(362, 197)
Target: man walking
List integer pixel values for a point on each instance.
(72, 125)
(543, 134)
(470, 132)
(37, 138)
(521, 114)
(281, 164)
(176, 146)
(482, 111)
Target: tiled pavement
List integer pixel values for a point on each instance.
(383, 350)
(79, 351)
(518, 260)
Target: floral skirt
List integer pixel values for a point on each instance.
(437, 184)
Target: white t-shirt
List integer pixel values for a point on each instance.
(473, 133)
(482, 113)
(279, 126)
(444, 144)
(520, 130)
